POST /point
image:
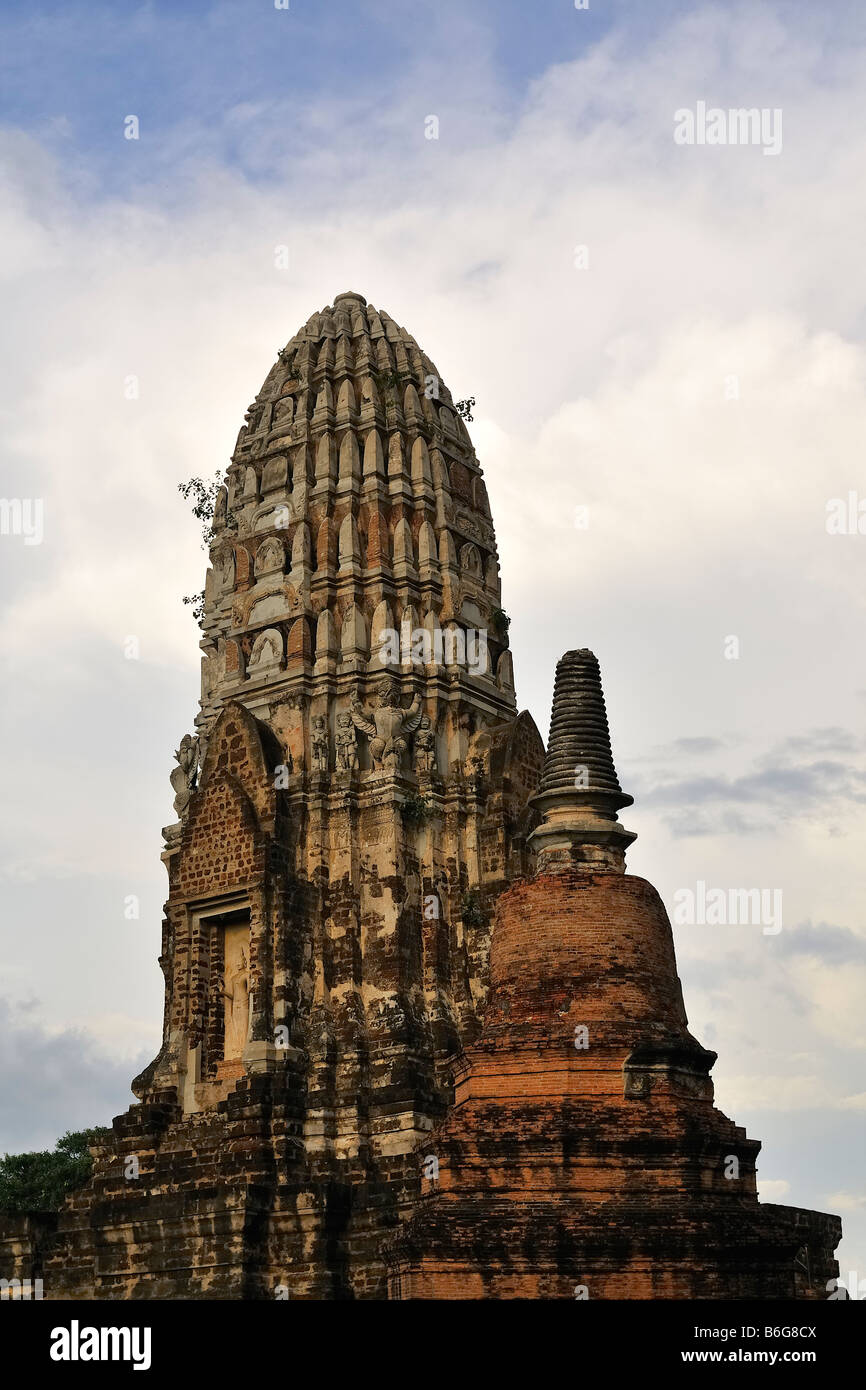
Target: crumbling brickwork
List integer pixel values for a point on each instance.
(584, 1156)
(359, 1090)
(347, 817)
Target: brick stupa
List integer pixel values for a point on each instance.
(584, 1156)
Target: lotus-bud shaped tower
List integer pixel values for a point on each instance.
(353, 799)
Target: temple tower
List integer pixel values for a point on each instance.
(353, 799)
(584, 1156)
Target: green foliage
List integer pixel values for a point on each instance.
(501, 622)
(197, 600)
(472, 909)
(387, 380)
(40, 1181)
(204, 496)
(415, 810)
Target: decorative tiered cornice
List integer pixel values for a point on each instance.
(353, 505)
(580, 791)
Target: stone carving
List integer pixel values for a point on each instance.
(473, 526)
(321, 756)
(220, 510)
(425, 746)
(470, 561)
(267, 650)
(237, 996)
(224, 569)
(274, 474)
(277, 516)
(184, 776)
(272, 607)
(636, 1084)
(347, 743)
(270, 557)
(387, 725)
(172, 836)
(284, 410)
(293, 699)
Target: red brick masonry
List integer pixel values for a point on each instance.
(595, 1171)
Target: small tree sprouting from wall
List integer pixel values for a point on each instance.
(202, 494)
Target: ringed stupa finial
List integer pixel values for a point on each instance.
(580, 792)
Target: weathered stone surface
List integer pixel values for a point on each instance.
(325, 1113)
(304, 887)
(584, 1155)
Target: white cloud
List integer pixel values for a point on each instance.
(845, 1201)
(759, 1092)
(773, 1189)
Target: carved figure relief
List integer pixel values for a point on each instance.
(347, 743)
(425, 746)
(320, 744)
(184, 776)
(284, 410)
(236, 991)
(387, 726)
(270, 557)
(470, 561)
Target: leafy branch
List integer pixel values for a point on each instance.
(203, 494)
(197, 600)
(415, 810)
(472, 909)
(40, 1181)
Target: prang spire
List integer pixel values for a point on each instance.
(580, 791)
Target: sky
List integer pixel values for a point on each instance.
(666, 343)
